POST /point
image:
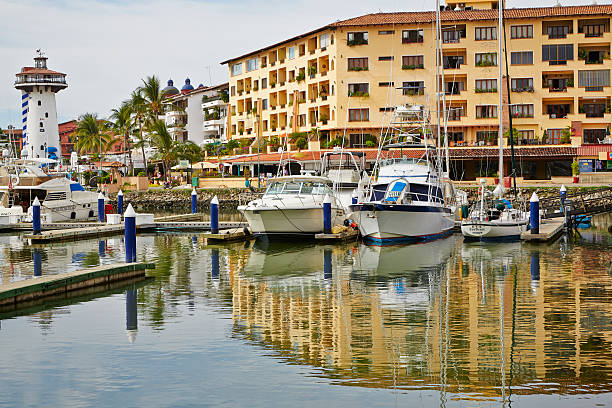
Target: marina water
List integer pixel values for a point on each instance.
(445, 323)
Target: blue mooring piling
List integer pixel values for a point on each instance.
(37, 259)
(36, 216)
(194, 201)
(101, 207)
(327, 264)
(534, 213)
(214, 215)
(327, 215)
(563, 196)
(130, 234)
(120, 202)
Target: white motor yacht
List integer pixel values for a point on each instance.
(293, 205)
(21, 181)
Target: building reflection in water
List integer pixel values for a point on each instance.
(214, 260)
(456, 317)
(131, 314)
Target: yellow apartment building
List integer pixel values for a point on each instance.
(345, 79)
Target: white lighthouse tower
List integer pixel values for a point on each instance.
(38, 86)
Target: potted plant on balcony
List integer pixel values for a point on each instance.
(544, 137)
(312, 71)
(575, 171)
(324, 118)
(566, 135)
(582, 54)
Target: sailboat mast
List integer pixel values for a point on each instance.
(438, 70)
(511, 131)
(500, 105)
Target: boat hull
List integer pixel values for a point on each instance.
(282, 222)
(382, 224)
(492, 231)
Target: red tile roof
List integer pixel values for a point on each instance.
(32, 70)
(594, 150)
(457, 153)
(470, 15)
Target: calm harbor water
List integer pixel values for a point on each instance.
(292, 324)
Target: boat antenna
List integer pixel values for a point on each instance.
(511, 130)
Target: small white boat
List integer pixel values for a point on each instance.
(293, 205)
(494, 220)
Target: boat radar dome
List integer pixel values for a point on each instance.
(170, 89)
(187, 87)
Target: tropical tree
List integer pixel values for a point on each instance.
(163, 142)
(92, 135)
(188, 151)
(123, 125)
(153, 95)
(138, 107)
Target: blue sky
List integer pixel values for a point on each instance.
(107, 46)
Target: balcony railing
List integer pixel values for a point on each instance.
(30, 79)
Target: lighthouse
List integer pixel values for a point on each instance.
(38, 86)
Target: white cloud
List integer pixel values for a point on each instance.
(106, 47)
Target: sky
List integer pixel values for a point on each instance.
(108, 46)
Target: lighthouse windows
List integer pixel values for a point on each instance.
(39, 103)
(46, 114)
(41, 124)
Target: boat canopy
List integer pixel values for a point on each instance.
(76, 187)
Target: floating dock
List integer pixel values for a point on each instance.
(549, 229)
(342, 236)
(30, 290)
(229, 235)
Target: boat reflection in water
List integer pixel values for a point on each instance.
(490, 322)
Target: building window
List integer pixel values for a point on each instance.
(593, 136)
(358, 38)
(252, 64)
(386, 32)
(358, 64)
(522, 111)
(455, 136)
(387, 109)
(526, 135)
(453, 61)
(39, 103)
(412, 36)
(357, 140)
(485, 33)
(385, 84)
(453, 34)
(413, 62)
(324, 40)
(359, 90)
(486, 111)
(521, 31)
(386, 58)
(487, 59)
(413, 88)
(236, 69)
(558, 111)
(359, 115)
(456, 113)
(594, 79)
(490, 137)
(557, 31)
(558, 54)
(486, 85)
(264, 83)
(554, 136)
(522, 84)
(593, 30)
(521, 58)
(233, 90)
(291, 53)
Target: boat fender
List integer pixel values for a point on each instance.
(354, 225)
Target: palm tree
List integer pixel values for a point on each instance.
(153, 95)
(123, 125)
(189, 151)
(139, 109)
(162, 140)
(91, 134)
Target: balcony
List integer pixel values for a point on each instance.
(557, 29)
(213, 103)
(594, 108)
(453, 61)
(594, 28)
(452, 34)
(558, 82)
(593, 55)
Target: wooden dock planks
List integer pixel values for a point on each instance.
(549, 229)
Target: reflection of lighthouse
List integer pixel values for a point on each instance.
(38, 86)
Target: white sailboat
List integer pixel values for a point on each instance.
(494, 218)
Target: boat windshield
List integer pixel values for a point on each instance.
(298, 187)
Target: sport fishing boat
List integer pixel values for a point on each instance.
(22, 180)
(293, 206)
(406, 203)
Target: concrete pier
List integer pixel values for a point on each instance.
(549, 229)
(29, 290)
(99, 230)
(228, 235)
